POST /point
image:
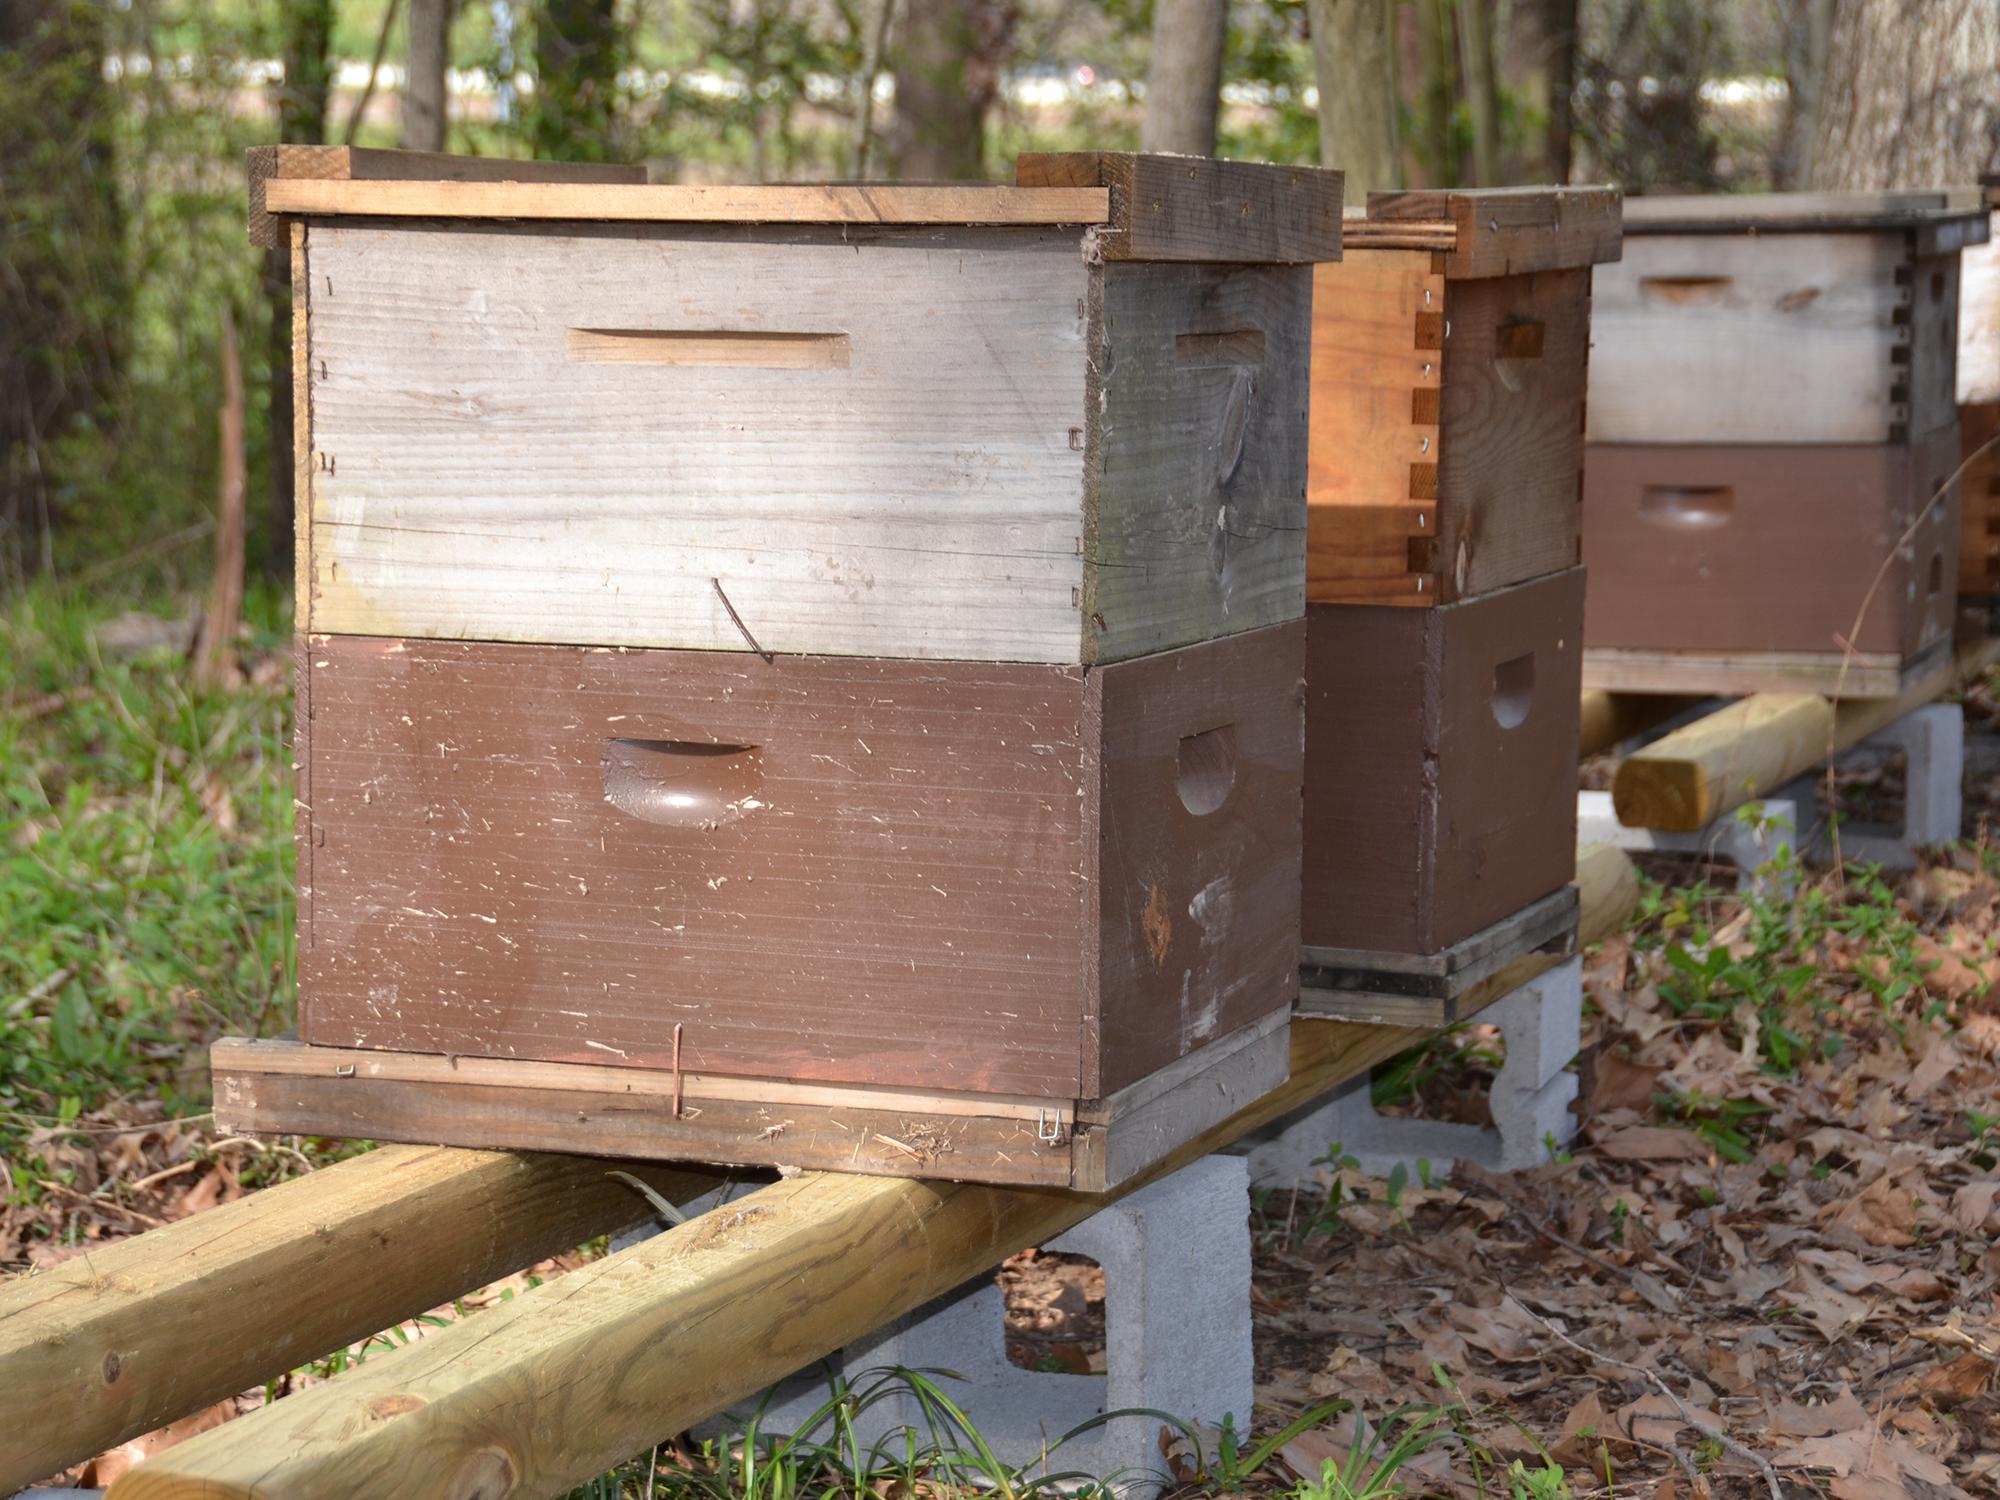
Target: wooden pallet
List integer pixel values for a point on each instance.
(1401, 989)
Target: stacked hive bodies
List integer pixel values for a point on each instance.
(1444, 598)
(1979, 419)
(1771, 413)
(820, 686)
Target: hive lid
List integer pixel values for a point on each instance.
(1495, 231)
(1956, 215)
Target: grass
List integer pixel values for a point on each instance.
(145, 865)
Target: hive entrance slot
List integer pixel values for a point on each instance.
(1685, 291)
(682, 783)
(1207, 769)
(1239, 346)
(724, 348)
(1513, 691)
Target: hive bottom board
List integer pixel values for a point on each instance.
(288, 1087)
(1727, 674)
(1396, 989)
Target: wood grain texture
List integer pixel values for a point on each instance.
(1447, 429)
(1513, 231)
(123, 1340)
(473, 482)
(1375, 407)
(292, 1088)
(1684, 781)
(1510, 445)
(1979, 500)
(1729, 674)
(367, 163)
(660, 202)
(561, 854)
(1198, 839)
(1928, 383)
(1762, 550)
(1004, 455)
(1711, 338)
(1193, 208)
(1441, 759)
(1194, 501)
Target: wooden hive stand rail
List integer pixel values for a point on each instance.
(1684, 781)
(131, 1336)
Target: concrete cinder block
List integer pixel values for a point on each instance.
(1932, 740)
(1176, 1259)
(1543, 1024)
(1747, 841)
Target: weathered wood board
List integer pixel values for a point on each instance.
(1194, 208)
(291, 1088)
(1440, 792)
(1448, 393)
(964, 444)
(1708, 338)
(1779, 557)
(998, 878)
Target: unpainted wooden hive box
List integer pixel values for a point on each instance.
(800, 675)
(1444, 610)
(1772, 412)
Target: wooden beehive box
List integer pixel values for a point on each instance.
(1772, 408)
(799, 675)
(1449, 354)
(1440, 800)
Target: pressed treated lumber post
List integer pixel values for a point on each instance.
(582, 1373)
(1686, 780)
(136, 1334)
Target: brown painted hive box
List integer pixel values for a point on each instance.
(1772, 413)
(1440, 806)
(1449, 354)
(799, 676)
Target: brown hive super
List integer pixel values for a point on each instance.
(799, 675)
(1445, 602)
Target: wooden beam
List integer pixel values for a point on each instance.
(1194, 208)
(1512, 231)
(1686, 780)
(887, 203)
(366, 163)
(131, 1336)
(580, 1374)
(1609, 719)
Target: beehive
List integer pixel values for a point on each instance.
(1771, 391)
(1979, 416)
(800, 675)
(1444, 602)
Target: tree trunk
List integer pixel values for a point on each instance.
(1184, 83)
(947, 68)
(1482, 88)
(215, 658)
(424, 95)
(579, 46)
(1918, 104)
(307, 38)
(62, 275)
(1804, 26)
(1355, 66)
(1437, 132)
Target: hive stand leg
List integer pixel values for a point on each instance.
(1932, 740)
(1176, 1259)
(1748, 838)
(1543, 1024)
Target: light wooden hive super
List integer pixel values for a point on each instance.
(799, 674)
(1771, 412)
